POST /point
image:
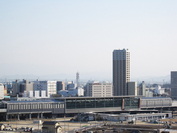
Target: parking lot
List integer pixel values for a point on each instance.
(68, 126)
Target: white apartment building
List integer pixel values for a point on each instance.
(99, 89)
(48, 86)
(159, 90)
(1, 91)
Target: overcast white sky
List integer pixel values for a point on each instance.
(65, 36)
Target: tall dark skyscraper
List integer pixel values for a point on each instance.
(174, 84)
(121, 71)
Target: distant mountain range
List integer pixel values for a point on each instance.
(35, 77)
(84, 78)
(155, 79)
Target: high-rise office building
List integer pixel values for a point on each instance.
(121, 71)
(174, 84)
(142, 89)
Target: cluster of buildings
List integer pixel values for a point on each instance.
(40, 89)
(58, 98)
(121, 85)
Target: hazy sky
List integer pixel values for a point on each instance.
(43, 37)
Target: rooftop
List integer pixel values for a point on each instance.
(37, 101)
(63, 98)
(155, 98)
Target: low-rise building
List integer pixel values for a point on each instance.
(71, 85)
(159, 90)
(51, 126)
(72, 92)
(148, 93)
(97, 89)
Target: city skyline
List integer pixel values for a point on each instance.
(63, 37)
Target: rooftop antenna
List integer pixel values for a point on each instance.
(77, 79)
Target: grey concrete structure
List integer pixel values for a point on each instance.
(174, 84)
(99, 89)
(150, 102)
(15, 88)
(142, 89)
(132, 88)
(48, 86)
(1, 91)
(62, 106)
(26, 86)
(121, 71)
(60, 86)
(18, 87)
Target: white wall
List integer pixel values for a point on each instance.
(1, 91)
(99, 90)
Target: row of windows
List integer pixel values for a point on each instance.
(93, 103)
(35, 106)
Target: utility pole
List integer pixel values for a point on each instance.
(64, 122)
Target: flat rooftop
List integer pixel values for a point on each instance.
(63, 98)
(155, 98)
(38, 101)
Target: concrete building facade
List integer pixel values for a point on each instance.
(71, 85)
(1, 91)
(174, 84)
(121, 71)
(48, 86)
(142, 89)
(26, 86)
(148, 93)
(60, 86)
(15, 87)
(99, 89)
(132, 88)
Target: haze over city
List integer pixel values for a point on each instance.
(59, 38)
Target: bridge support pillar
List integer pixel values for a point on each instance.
(6, 117)
(18, 117)
(30, 116)
(41, 115)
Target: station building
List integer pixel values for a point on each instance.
(69, 106)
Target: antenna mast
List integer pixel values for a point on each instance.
(77, 79)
